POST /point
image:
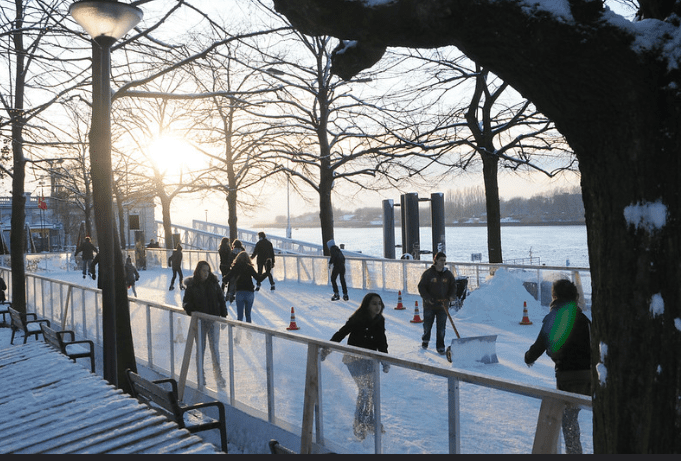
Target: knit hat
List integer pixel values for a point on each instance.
(330, 243)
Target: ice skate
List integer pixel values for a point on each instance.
(335, 297)
(346, 297)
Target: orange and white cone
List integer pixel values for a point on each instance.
(417, 318)
(399, 307)
(292, 325)
(526, 319)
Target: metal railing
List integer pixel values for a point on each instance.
(266, 374)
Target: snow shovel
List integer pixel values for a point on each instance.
(480, 348)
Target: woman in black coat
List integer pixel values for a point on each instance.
(366, 329)
(203, 294)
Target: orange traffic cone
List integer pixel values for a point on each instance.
(417, 318)
(292, 325)
(399, 307)
(526, 319)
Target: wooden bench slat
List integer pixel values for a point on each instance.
(70, 347)
(25, 323)
(165, 402)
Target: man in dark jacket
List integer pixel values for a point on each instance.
(175, 262)
(264, 251)
(565, 336)
(88, 250)
(436, 287)
(337, 266)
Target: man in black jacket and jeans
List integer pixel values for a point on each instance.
(565, 336)
(263, 251)
(437, 287)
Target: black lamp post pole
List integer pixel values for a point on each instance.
(100, 160)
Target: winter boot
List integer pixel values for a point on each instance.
(346, 297)
(335, 297)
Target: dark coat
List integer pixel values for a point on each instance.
(336, 258)
(435, 286)
(131, 274)
(88, 250)
(565, 336)
(226, 258)
(242, 275)
(206, 297)
(364, 332)
(264, 251)
(175, 259)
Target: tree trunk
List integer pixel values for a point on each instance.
(619, 107)
(490, 164)
(18, 221)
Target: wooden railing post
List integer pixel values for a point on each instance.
(310, 399)
(548, 426)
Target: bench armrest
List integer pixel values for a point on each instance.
(63, 333)
(171, 381)
(219, 405)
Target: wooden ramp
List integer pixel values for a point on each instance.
(49, 404)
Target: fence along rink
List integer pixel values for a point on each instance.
(161, 332)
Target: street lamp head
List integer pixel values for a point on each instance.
(105, 20)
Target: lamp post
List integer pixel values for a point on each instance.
(105, 21)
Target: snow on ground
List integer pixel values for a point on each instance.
(415, 405)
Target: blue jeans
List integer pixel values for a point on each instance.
(244, 304)
(439, 316)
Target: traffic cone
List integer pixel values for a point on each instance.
(292, 325)
(526, 319)
(417, 318)
(399, 307)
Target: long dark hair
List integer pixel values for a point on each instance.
(197, 269)
(362, 311)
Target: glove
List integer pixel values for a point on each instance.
(137, 278)
(324, 353)
(386, 367)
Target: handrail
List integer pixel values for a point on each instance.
(158, 329)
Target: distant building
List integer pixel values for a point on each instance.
(55, 225)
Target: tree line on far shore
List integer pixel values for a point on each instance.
(465, 207)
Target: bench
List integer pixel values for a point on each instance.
(69, 347)
(157, 396)
(27, 323)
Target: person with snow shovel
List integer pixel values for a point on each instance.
(436, 287)
(565, 336)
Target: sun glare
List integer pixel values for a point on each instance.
(171, 154)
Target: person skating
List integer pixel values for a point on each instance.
(243, 273)
(175, 262)
(227, 279)
(366, 329)
(337, 267)
(88, 251)
(262, 252)
(225, 254)
(203, 294)
(436, 287)
(565, 336)
(131, 275)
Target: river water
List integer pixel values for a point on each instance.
(552, 245)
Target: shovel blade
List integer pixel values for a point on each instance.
(476, 348)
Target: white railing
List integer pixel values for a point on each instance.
(393, 274)
(277, 376)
